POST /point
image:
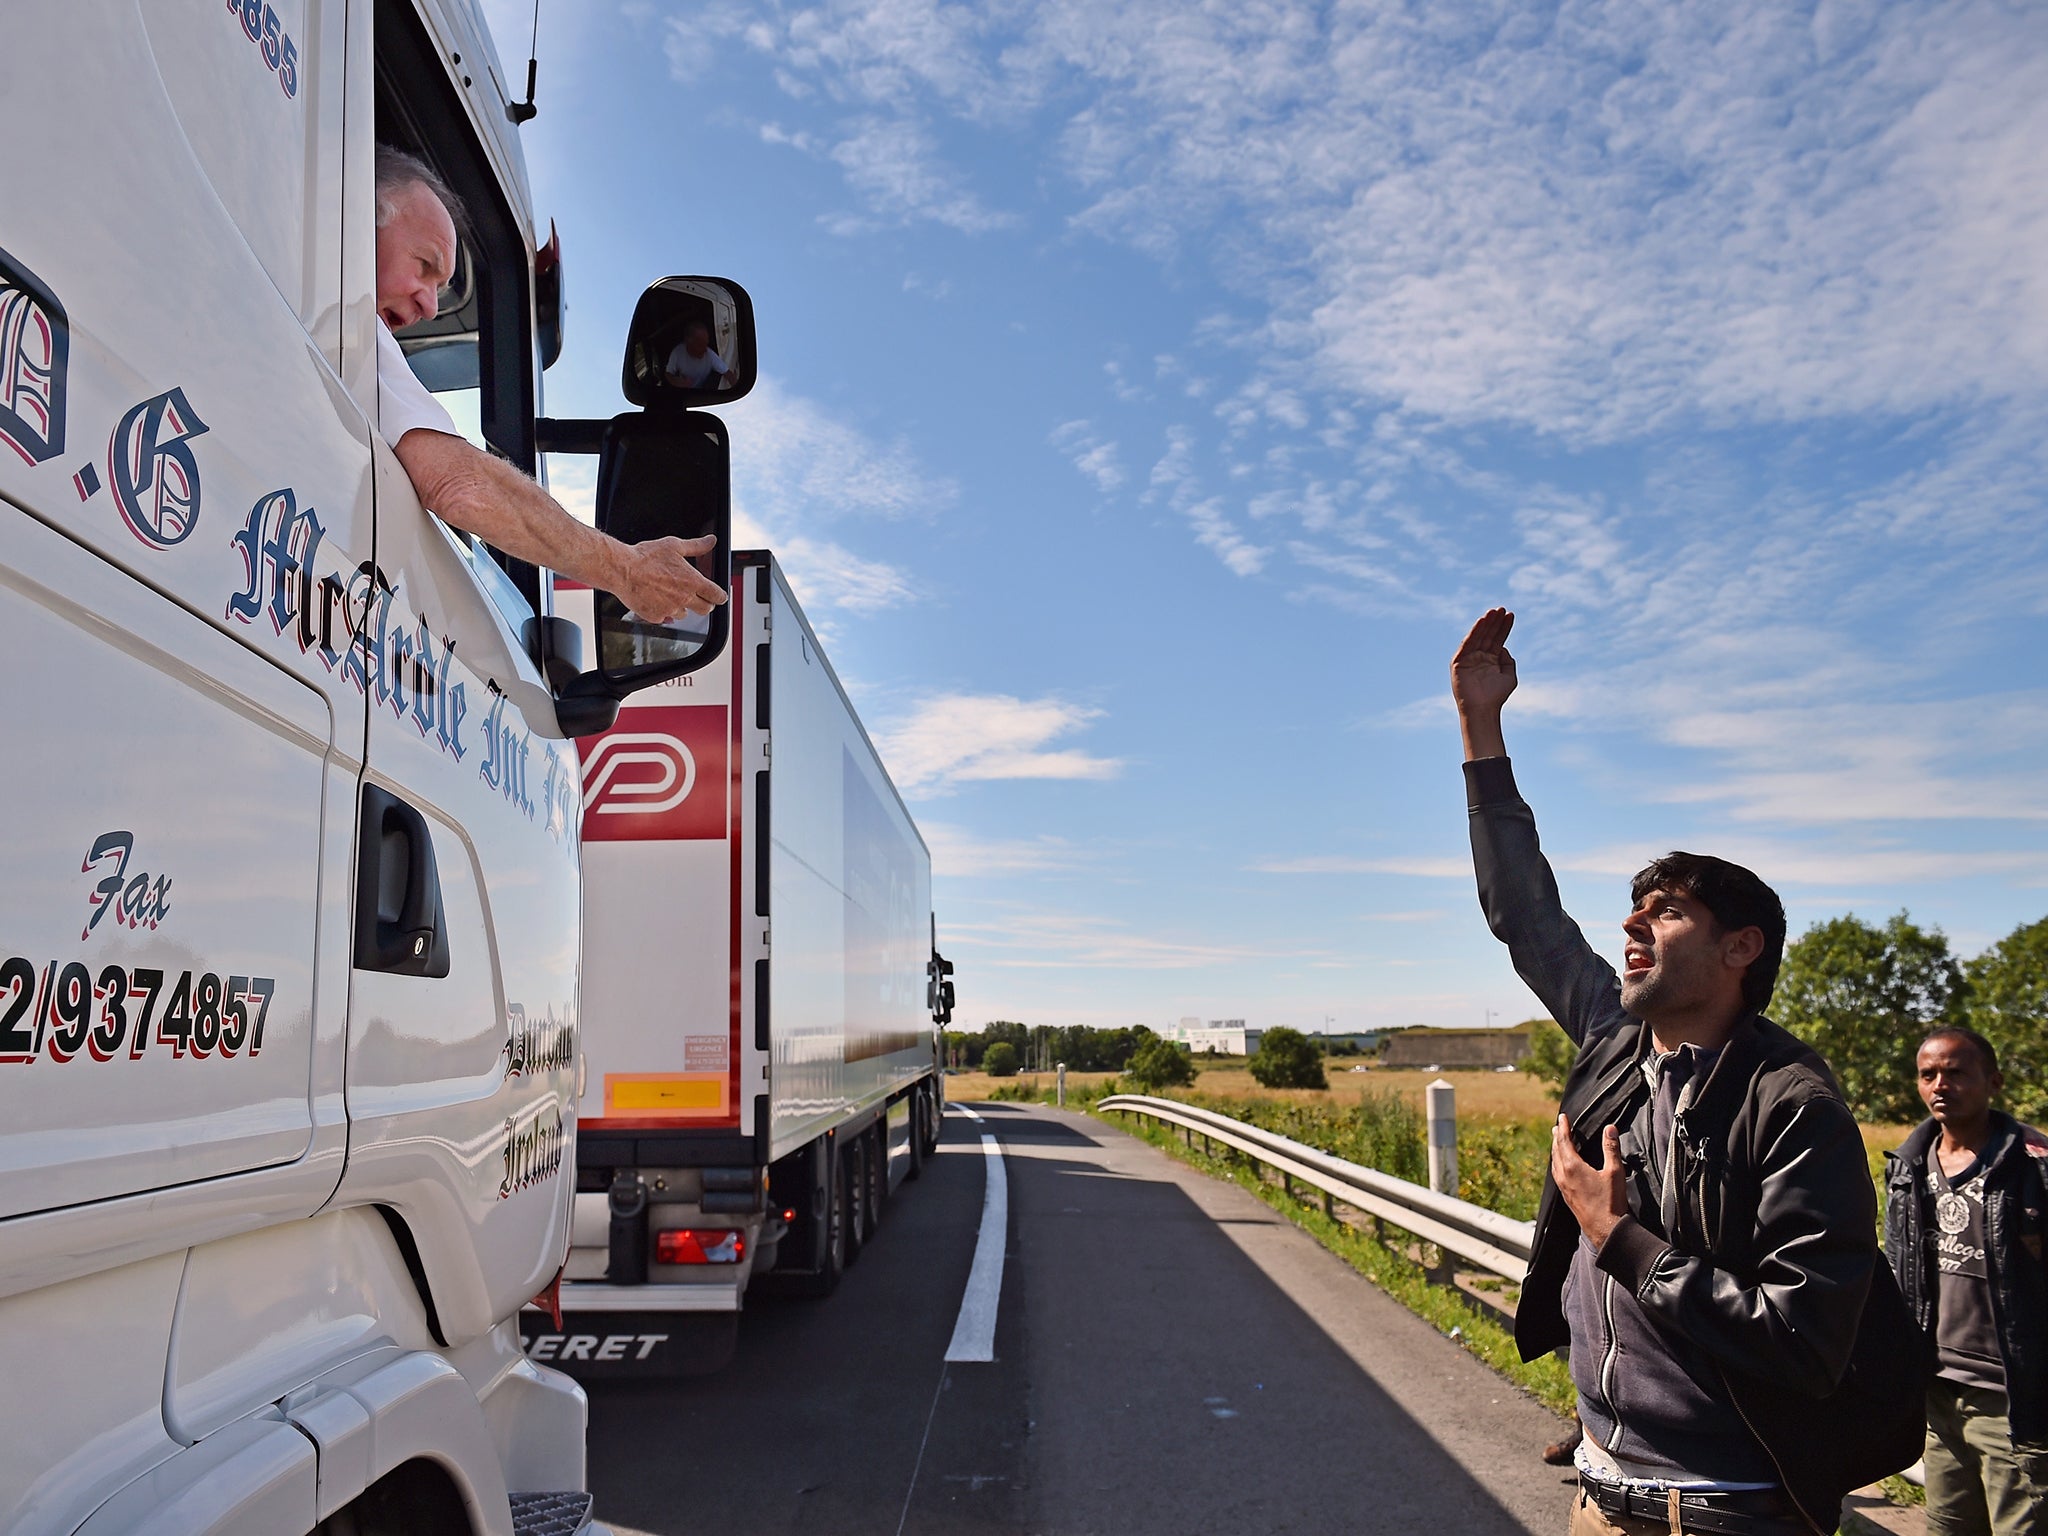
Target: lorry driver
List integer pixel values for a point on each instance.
(465, 486)
(693, 365)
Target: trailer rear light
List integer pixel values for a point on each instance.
(704, 1245)
(790, 1214)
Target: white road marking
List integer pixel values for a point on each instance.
(963, 1109)
(974, 1334)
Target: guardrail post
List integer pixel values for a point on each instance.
(1062, 1090)
(1443, 1137)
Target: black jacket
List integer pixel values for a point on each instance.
(1774, 1253)
(2015, 1220)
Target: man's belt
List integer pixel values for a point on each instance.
(1751, 1512)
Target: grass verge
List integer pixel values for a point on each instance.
(1477, 1331)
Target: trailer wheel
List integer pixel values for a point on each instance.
(831, 1229)
(918, 1117)
(875, 1161)
(928, 1124)
(853, 1185)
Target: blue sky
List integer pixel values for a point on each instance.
(1153, 392)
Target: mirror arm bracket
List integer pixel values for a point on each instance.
(587, 705)
(569, 435)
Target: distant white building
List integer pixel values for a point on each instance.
(1226, 1037)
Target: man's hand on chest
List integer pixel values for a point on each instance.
(1598, 1196)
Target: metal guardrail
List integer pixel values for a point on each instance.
(1479, 1236)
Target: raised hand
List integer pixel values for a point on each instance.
(1482, 677)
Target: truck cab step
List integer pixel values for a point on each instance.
(551, 1514)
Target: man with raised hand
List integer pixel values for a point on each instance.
(466, 487)
(1707, 1234)
(1966, 1214)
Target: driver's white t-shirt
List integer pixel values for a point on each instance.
(403, 402)
(694, 371)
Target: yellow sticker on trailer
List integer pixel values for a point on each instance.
(639, 1093)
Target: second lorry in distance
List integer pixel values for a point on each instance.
(761, 998)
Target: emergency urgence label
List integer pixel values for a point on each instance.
(659, 775)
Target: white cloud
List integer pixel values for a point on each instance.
(895, 166)
(1091, 455)
(796, 467)
(959, 853)
(1037, 940)
(1582, 223)
(1715, 338)
(1338, 864)
(794, 461)
(952, 739)
(1782, 863)
(1174, 477)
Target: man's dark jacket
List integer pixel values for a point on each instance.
(2015, 1216)
(1774, 1251)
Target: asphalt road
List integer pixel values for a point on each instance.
(1170, 1357)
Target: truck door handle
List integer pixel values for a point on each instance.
(399, 922)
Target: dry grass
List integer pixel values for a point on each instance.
(1493, 1095)
(973, 1087)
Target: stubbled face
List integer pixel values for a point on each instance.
(1674, 959)
(1953, 1082)
(415, 257)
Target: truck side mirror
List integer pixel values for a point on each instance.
(663, 476)
(691, 343)
(660, 475)
(939, 988)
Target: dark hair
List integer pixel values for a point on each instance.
(1736, 898)
(1962, 1032)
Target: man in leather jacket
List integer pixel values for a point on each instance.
(1966, 1215)
(1706, 1240)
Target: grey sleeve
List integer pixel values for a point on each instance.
(1518, 894)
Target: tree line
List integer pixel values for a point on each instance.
(1865, 994)
(1286, 1058)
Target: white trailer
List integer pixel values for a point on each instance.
(761, 999)
(290, 928)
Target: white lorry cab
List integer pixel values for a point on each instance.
(290, 934)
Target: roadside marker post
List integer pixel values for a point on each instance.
(1443, 1137)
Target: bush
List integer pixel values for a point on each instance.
(1160, 1064)
(1550, 1058)
(1000, 1060)
(1286, 1059)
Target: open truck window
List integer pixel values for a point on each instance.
(479, 351)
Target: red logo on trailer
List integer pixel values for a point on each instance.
(659, 775)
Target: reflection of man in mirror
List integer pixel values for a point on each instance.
(458, 481)
(692, 365)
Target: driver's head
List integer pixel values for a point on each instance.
(415, 237)
(697, 338)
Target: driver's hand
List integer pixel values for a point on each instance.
(659, 582)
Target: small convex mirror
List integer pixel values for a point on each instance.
(691, 343)
(664, 476)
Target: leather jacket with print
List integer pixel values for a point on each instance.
(2015, 1221)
